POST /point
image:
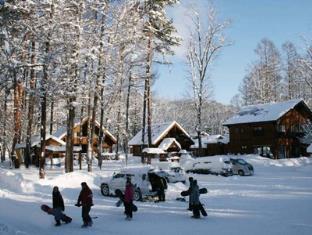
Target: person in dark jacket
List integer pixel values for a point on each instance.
(189, 190)
(128, 199)
(85, 200)
(58, 205)
(194, 198)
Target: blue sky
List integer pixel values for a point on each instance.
(252, 20)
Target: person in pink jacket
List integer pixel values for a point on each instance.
(128, 199)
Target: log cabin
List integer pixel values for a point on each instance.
(169, 137)
(80, 132)
(273, 130)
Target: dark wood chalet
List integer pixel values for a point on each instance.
(168, 137)
(80, 132)
(273, 130)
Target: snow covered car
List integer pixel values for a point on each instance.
(145, 181)
(241, 167)
(173, 174)
(212, 166)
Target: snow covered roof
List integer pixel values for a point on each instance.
(262, 112)
(211, 139)
(53, 148)
(62, 131)
(158, 132)
(36, 140)
(167, 143)
(153, 151)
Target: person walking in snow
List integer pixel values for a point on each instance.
(85, 200)
(194, 199)
(58, 205)
(189, 191)
(128, 199)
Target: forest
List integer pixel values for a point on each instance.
(64, 60)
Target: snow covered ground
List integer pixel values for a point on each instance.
(276, 200)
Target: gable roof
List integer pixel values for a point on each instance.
(36, 140)
(158, 132)
(167, 143)
(211, 139)
(263, 112)
(62, 131)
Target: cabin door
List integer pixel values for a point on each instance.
(282, 151)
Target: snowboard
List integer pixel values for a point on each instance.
(120, 195)
(51, 211)
(202, 210)
(187, 192)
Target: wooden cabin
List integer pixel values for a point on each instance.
(169, 137)
(273, 130)
(211, 145)
(50, 142)
(80, 133)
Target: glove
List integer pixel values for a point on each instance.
(77, 204)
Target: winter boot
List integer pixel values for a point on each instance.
(58, 223)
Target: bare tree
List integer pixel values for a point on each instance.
(205, 44)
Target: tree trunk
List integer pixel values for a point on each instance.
(80, 135)
(43, 105)
(127, 118)
(148, 89)
(31, 105)
(51, 116)
(18, 96)
(69, 159)
(4, 141)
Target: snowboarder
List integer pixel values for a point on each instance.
(189, 190)
(128, 199)
(58, 205)
(85, 200)
(194, 199)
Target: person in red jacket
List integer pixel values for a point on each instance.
(85, 200)
(128, 199)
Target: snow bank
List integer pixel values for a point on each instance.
(14, 181)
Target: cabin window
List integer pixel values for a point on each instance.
(264, 151)
(258, 131)
(244, 147)
(282, 128)
(295, 128)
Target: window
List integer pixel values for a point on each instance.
(282, 128)
(258, 131)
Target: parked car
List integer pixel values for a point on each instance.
(145, 181)
(241, 167)
(213, 166)
(173, 174)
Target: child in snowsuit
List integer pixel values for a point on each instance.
(85, 200)
(58, 205)
(128, 199)
(194, 199)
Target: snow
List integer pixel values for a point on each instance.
(262, 112)
(276, 200)
(167, 143)
(158, 131)
(309, 149)
(36, 139)
(211, 139)
(153, 151)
